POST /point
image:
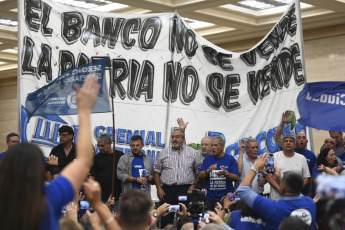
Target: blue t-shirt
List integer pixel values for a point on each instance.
(310, 157)
(137, 171)
(1, 155)
(316, 172)
(275, 211)
(58, 193)
(219, 186)
(245, 223)
(342, 158)
(311, 161)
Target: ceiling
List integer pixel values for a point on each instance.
(225, 21)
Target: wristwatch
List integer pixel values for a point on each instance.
(155, 214)
(254, 169)
(225, 209)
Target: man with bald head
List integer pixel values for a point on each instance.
(339, 142)
(301, 148)
(329, 143)
(206, 147)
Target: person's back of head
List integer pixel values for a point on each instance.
(22, 181)
(188, 226)
(66, 223)
(211, 226)
(293, 182)
(170, 227)
(293, 222)
(183, 220)
(134, 209)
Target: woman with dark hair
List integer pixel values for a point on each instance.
(325, 163)
(25, 202)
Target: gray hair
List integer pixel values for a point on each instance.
(212, 226)
(289, 135)
(178, 129)
(104, 137)
(220, 139)
(207, 137)
(248, 141)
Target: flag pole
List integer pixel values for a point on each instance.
(112, 94)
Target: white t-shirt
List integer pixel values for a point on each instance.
(297, 163)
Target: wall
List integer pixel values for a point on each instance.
(8, 110)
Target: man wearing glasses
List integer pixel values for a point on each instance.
(64, 153)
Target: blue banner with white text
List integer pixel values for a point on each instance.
(322, 105)
(59, 96)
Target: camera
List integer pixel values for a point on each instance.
(174, 208)
(204, 217)
(83, 204)
(234, 197)
(182, 198)
(195, 200)
(269, 166)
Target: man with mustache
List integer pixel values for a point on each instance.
(175, 170)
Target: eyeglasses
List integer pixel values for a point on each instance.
(63, 134)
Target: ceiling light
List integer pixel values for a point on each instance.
(95, 5)
(196, 24)
(13, 50)
(110, 7)
(255, 4)
(8, 22)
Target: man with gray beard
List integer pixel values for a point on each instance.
(175, 170)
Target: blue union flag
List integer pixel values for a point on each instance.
(322, 105)
(59, 96)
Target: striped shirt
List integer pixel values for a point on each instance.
(178, 168)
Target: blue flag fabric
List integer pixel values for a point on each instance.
(322, 105)
(59, 96)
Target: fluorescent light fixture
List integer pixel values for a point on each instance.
(255, 4)
(274, 6)
(12, 51)
(8, 22)
(96, 5)
(110, 7)
(196, 24)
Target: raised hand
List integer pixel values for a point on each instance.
(182, 124)
(286, 116)
(242, 146)
(53, 160)
(92, 191)
(87, 94)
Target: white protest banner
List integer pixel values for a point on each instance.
(162, 70)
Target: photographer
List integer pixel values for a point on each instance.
(291, 204)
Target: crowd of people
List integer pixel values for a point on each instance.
(74, 188)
